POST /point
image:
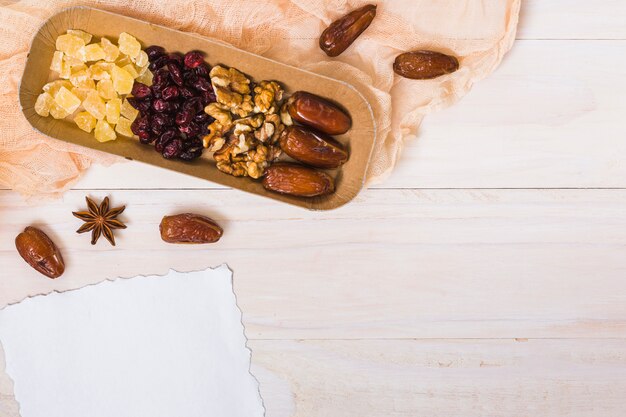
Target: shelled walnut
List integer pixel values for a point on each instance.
(267, 93)
(245, 156)
(244, 136)
(232, 89)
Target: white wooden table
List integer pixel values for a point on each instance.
(486, 277)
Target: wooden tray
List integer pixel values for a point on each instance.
(359, 140)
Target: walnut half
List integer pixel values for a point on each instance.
(232, 89)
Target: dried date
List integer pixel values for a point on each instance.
(312, 147)
(189, 228)
(297, 180)
(40, 252)
(337, 37)
(424, 65)
(317, 112)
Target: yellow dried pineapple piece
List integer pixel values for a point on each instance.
(129, 45)
(141, 60)
(73, 62)
(93, 52)
(111, 52)
(128, 111)
(57, 61)
(146, 78)
(70, 45)
(123, 60)
(83, 80)
(130, 68)
(43, 104)
(85, 121)
(122, 80)
(66, 70)
(113, 110)
(106, 90)
(81, 93)
(53, 87)
(95, 105)
(123, 127)
(57, 111)
(81, 34)
(68, 101)
(104, 132)
(100, 70)
(78, 68)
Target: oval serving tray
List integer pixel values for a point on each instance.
(359, 140)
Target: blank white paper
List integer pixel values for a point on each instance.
(158, 346)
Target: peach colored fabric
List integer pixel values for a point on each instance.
(480, 32)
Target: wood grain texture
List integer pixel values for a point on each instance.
(572, 19)
(441, 378)
(368, 311)
(396, 263)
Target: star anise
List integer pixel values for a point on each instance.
(100, 220)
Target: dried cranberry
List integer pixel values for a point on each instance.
(173, 148)
(145, 137)
(158, 63)
(193, 59)
(190, 129)
(168, 118)
(187, 92)
(161, 105)
(193, 142)
(184, 117)
(164, 139)
(190, 79)
(144, 105)
(157, 129)
(203, 70)
(202, 84)
(177, 58)
(159, 119)
(140, 124)
(201, 117)
(191, 154)
(160, 80)
(154, 52)
(175, 73)
(141, 90)
(170, 93)
(193, 105)
(208, 96)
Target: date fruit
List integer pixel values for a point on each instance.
(337, 37)
(318, 113)
(424, 65)
(40, 252)
(189, 228)
(312, 148)
(297, 180)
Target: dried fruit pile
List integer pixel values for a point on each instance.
(171, 109)
(94, 79)
(309, 143)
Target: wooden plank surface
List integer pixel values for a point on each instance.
(396, 263)
(572, 19)
(441, 378)
(484, 278)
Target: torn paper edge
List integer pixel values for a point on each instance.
(4, 372)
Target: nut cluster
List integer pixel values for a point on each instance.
(244, 135)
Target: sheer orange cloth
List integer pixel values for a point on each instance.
(480, 32)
